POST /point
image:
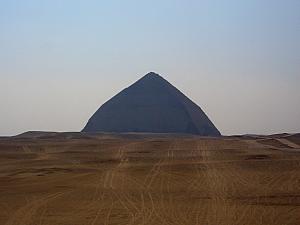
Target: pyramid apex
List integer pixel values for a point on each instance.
(152, 74)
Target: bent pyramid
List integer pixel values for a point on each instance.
(151, 105)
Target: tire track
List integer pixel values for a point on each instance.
(27, 213)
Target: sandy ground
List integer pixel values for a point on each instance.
(105, 179)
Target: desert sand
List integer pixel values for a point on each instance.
(75, 179)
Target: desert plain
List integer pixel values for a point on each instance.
(110, 179)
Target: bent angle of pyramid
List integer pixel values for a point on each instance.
(151, 105)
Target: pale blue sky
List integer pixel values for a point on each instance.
(239, 60)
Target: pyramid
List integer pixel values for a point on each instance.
(151, 105)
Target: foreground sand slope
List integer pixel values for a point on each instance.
(102, 179)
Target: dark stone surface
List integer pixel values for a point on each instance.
(151, 105)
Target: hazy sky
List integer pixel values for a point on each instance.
(61, 59)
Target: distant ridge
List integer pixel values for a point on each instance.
(35, 134)
(45, 135)
(151, 105)
(48, 135)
